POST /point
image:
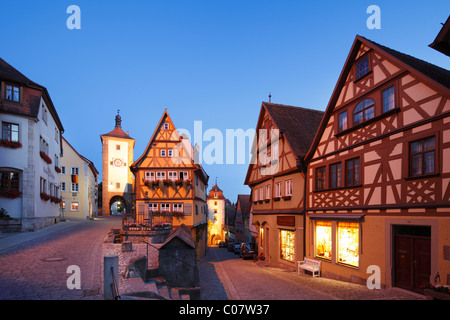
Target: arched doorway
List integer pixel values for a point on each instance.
(117, 205)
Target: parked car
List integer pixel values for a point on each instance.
(222, 244)
(237, 248)
(247, 250)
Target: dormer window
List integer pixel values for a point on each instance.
(364, 111)
(362, 67)
(12, 93)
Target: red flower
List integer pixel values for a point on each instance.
(58, 169)
(10, 144)
(45, 157)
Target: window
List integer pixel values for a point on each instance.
(63, 170)
(160, 175)
(74, 206)
(287, 245)
(63, 186)
(74, 187)
(170, 153)
(43, 185)
(343, 121)
(165, 207)
(166, 126)
(56, 135)
(184, 175)
(117, 185)
(149, 176)
(362, 67)
(335, 175)
(178, 207)
(9, 181)
(323, 242)
(261, 194)
(63, 206)
(288, 191)
(320, 178)
(75, 170)
(352, 172)
(12, 93)
(43, 145)
(163, 152)
(268, 191)
(278, 190)
(44, 114)
(153, 207)
(388, 99)
(172, 175)
(422, 156)
(117, 146)
(364, 111)
(10, 132)
(348, 243)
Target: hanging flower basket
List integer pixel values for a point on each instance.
(10, 194)
(57, 169)
(45, 157)
(10, 144)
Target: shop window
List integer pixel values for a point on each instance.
(287, 244)
(323, 241)
(348, 243)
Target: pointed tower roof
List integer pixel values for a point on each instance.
(117, 132)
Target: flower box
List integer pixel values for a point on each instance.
(58, 169)
(45, 157)
(10, 144)
(45, 196)
(10, 194)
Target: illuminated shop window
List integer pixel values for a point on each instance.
(287, 245)
(348, 243)
(323, 240)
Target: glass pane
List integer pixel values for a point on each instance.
(287, 245)
(429, 162)
(416, 147)
(8, 93)
(362, 67)
(348, 243)
(358, 108)
(428, 144)
(356, 170)
(323, 240)
(357, 118)
(343, 121)
(388, 99)
(368, 103)
(369, 113)
(417, 164)
(16, 94)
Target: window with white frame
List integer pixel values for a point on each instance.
(184, 175)
(149, 176)
(278, 190)
(12, 93)
(178, 207)
(63, 186)
(74, 187)
(163, 152)
(166, 126)
(261, 194)
(165, 207)
(268, 191)
(170, 153)
(160, 175)
(75, 170)
(63, 170)
(74, 206)
(288, 188)
(172, 175)
(153, 207)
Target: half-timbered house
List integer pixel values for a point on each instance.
(170, 188)
(276, 177)
(378, 184)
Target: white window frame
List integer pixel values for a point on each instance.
(63, 186)
(74, 187)
(268, 191)
(166, 126)
(170, 153)
(75, 171)
(149, 176)
(152, 207)
(177, 207)
(185, 175)
(162, 152)
(71, 206)
(289, 187)
(165, 207)
(261, 193)
(278, 190)
(160, 175)
(172, 175)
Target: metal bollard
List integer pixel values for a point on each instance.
(111, 277)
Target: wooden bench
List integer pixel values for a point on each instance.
(310, 265)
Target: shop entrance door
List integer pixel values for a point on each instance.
(412, 259)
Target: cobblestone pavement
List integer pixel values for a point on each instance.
(33, 266)
(224, 276)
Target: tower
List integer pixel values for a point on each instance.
(117, 179)
(216, 215)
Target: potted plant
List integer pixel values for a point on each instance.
(10, 144)
(45, 157)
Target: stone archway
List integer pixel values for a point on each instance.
(117, 205)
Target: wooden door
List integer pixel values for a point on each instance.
(412, 262)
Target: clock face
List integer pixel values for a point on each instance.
(118, 162)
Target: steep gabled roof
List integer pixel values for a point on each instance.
(442, 41)
(31, 98)
(182, 233)
(298, 126)
(429, 73)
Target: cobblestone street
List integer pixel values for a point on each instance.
(224, 276)
(33, 266)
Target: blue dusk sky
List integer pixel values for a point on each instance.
(213, 61)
